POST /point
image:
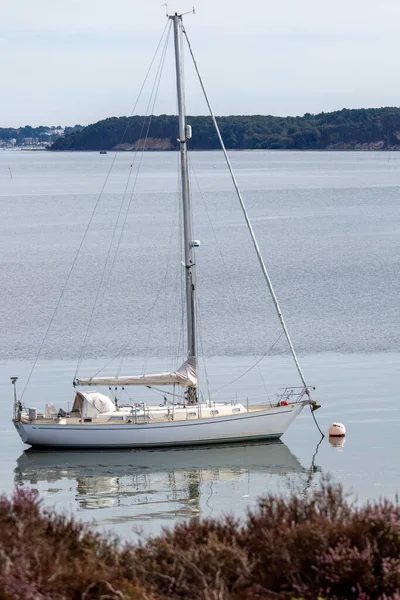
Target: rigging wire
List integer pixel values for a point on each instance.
(121, 352)
(313, 469)
(95, 308)
(230, 281)
(90, 326)
(88, 225)
(161, 392)
(180, 342)
(316, 422)
(202, 347)
(180, 275)
(252, 235)
(173, 307)
(250, 228)
(153, 98)
(179, 326)
(250, 368)
(130, 340)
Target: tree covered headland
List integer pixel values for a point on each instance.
(372, 128)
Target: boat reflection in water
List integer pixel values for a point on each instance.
(153, 488)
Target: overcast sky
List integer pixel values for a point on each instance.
(64, 62)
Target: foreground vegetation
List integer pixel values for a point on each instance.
(372, 128)
(319, 546)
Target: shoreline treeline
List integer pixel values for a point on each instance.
(372, 128)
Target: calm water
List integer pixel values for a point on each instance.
(328, 224)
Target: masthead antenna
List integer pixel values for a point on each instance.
(189, 12)
(166, 9)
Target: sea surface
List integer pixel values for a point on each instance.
(91, 281)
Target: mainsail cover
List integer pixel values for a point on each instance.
(185, 376)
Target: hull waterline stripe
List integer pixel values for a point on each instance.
(168, 444)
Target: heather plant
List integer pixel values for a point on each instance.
(318, 546)
(45, 556)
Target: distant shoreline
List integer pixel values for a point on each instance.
(355, 129)
(76, 151)
(371, 129)
(397, 149)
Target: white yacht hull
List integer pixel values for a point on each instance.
(256, 425)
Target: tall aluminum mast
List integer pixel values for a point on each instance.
(184, 135)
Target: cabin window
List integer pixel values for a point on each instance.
(192, 414)
(214, 412)
(116, 419)
(235, 410)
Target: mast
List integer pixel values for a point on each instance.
(184, 135)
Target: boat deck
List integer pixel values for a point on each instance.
(124, 419)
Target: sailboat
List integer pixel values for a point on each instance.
(96, 421)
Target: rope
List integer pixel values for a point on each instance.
(97, 303)
(170, 304)
(122, 351)
(202, 348)
(179, 323)
(316, 422)
(251, 231)
(247, 219)
(178, 300)
(250, 368)
(230, 281)
(129, 341)
(87, 227)
(153, 98)
(90, 326)
(143, 320)
(312, 469)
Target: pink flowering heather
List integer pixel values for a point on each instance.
(319, 546)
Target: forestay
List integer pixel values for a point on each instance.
(185, 376)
